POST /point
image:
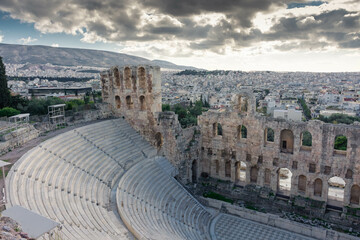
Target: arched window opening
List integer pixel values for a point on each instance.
(159, 140)
(269, 135)
(336, 190)
(117, 102)
(228, 169)
(340, 143)
(349, 174)
(253, 174)
(194, 171)
(287, 141)
(318, 187)
(142, 103)
(302, 183)
(129, 102)
(117, 77)
(219, 129)
(127, 76)
(243, 132)
(142, 78)
(284, 181)
(355, 194)
(267, 177)
(306, 139)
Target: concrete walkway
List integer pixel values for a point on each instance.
(228, 227)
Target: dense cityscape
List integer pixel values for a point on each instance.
(278, 94)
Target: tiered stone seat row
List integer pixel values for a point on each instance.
(155, 206)
(68, 178)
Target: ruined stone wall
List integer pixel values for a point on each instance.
(134, 92)
(311, 166)
(17, 137)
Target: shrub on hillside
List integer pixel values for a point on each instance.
(8, 112)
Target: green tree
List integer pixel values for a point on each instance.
(340, 143)
(8, 112)
(4, 90)
(307, 112)
(165, 107)
(306, 139)
(339, 118)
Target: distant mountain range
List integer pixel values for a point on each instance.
(36, 54)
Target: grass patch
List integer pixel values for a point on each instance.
(218, 197)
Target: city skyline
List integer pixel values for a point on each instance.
(275, 35)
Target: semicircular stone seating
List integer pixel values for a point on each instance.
(69, 178)
(153, 205)
(80, 177)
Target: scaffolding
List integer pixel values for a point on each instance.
(56, 115)
(19, 119)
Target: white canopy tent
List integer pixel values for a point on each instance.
(31, 223)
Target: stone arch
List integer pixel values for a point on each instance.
(142, 103)
(253, 174)
(287, 141)
(127, 76)
(117, 77)
(336, 190)
(284, 181)
(142, 78)
(318, 187)
(228, 169)
(159, 140)
(117, 101)
(215, 129)
(129, 102)
(194, 171)
(267, 176)
(340, 143)
(269, 135)
(302, 183)
(355, 194)
(306, 139)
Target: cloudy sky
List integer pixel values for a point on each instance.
(278, 35)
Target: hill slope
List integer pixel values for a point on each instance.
(35, 54)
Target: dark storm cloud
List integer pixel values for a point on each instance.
(240, 11)
(334, 26)
(168, 20)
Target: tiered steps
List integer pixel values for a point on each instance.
(68, 178)
(153, 205)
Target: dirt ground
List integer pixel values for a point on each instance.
(17, 153)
